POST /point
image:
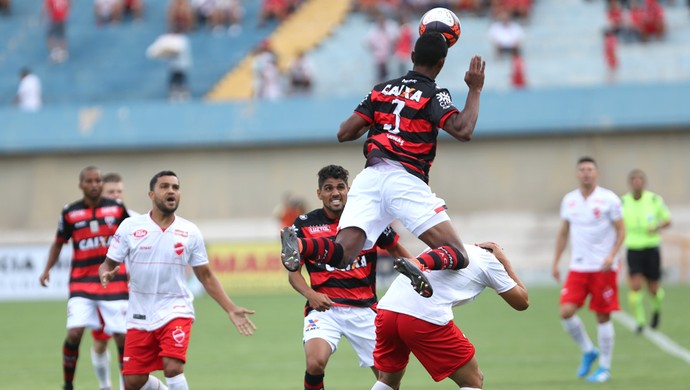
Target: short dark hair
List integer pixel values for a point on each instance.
(430, 48)
(333, 172)
(587, 159)
(112, 178)
(154, 179)
(87, 169)
(637, 172)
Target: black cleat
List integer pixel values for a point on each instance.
(639, 329)
(654, 323)
(289, 256)
(419, 282)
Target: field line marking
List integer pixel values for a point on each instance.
(657, 338)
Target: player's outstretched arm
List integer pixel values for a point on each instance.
(461, 125)
(352, 128)
(238, 315)
(53, 256)
(517, 296)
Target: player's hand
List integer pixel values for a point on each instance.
(320, 302)
(239, 318)
(45, 278)
(608, 263)
(474, 77)
(107, 276)
(494, 248)
(556, 273)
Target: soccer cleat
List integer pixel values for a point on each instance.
(654, 323)
(289, 255)
(601, 375)
(639, 329)
(586, 364)
(414, 272)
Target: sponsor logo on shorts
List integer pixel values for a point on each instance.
(125, 358)
(179, 335)
(312, 325)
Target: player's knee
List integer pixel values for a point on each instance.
(135, 382)
(74, 335)
(172, 367)
(316, 366)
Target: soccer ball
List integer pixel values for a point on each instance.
(441, 20)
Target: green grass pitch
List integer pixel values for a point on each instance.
(516, 350)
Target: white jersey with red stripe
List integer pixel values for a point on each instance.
(592, 229)
(451, 288)
(156, 260)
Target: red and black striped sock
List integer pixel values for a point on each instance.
(443, 257)
(313, 382)
(322, 250)
(70, 354)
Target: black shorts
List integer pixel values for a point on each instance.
(56, 30)
(646, 262)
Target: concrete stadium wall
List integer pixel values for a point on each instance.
(525, 174)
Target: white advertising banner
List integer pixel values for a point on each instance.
(21, 267)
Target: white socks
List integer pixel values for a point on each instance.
(101, 365)
(577, 331)
(469, 388)
(381, 386)
(154, 384)
(606, 335)
(178, 382)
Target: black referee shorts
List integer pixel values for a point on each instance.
(646, 262)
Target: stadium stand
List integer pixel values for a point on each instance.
(301, 32)
(108, 63)
(563, 48)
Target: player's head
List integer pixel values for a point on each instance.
(430, 52)
(113, 187)
(587, 172)
(164, 191)
(637, 180)
(333, 188)
(91, 183)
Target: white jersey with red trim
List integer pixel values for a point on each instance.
(592, 229)
(451, 288)
(156, 260)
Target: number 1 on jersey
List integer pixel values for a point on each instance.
(399, 105)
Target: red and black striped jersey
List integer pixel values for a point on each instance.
(405, 115)
(91, 229)
(353, 286)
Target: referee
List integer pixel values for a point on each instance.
(644, 215)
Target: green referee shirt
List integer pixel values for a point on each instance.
(641, 215)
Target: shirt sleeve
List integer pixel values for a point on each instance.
(663, 214)
(497, 276)
(365, 109)
(616, 210)
(118, 250)
(64, 229)
(198, 255)
(440, 107)
(563, 212)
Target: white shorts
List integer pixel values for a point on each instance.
(82, 313)
(355, 323)
(386, 192)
